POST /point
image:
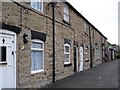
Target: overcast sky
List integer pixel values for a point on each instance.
(103, 14)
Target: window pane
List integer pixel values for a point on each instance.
(41, 60)
(66, 57)
(32, 60)
(37, 45)
(66, 10)
(36, 60)
(67, 49)
(34, 5)
(66, 13)
(37, 4)
(40, 6)
(66, 17)
(2, 54)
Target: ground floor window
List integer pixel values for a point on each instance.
(37, 56)
(66, 54)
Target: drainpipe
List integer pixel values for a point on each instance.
(90, 48)
(53, 4)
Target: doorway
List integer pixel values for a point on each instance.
(7, 59)
(75, 58)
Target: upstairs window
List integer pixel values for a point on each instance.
(66, 13)
(86, 26)
(37, 5)
(66, 54)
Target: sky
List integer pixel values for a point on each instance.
(103, 14)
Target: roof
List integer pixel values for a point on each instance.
(83, 17)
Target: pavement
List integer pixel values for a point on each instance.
(104, 75)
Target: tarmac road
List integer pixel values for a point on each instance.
(104, 75)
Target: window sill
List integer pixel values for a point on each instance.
(67, 64)
(66, 22)
(38, 71)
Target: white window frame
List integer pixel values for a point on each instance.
(40, 1)
(67, 53)
(37, 49)
(66, 13)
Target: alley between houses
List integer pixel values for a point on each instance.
(104, 75)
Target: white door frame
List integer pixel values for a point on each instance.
(7, 32)
(81, 47)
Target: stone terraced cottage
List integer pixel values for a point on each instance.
(26, 43)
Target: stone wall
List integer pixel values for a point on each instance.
(26, 18)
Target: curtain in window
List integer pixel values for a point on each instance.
(37, 60)
(66, 57)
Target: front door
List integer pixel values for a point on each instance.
(75, 58)
(7, 61)
(81, 59)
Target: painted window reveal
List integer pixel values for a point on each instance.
(3, 54)
(37, 56)
(37, 5)
(66, 13)
(66, 54)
